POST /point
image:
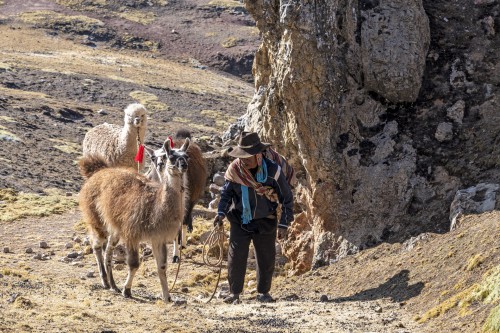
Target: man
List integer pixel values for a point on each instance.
(249, 199)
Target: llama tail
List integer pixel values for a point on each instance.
(90, 165)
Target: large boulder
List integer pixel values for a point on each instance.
(345, 91)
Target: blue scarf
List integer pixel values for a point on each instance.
(261, 178)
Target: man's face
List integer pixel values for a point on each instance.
(249, 162)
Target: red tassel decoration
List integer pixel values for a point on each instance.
(171, 142)
(140, 154)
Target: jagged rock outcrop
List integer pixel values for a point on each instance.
(382, 122)
(473, 200)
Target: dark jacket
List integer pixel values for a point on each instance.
(261, 206)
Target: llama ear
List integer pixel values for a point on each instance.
(166, 146)
(186, 144)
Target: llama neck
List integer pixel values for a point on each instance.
(129, 134)
(174, 184)
(171, 205)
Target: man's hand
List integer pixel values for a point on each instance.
(218, 220)
(282, 233)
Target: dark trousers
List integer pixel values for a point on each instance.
(262, 233)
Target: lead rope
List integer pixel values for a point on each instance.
(178, 268)
(216, 238)
(138, 149)
(180, 253)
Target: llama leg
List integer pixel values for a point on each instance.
(108, 256)
(160, 254)
(188, 217)
(133, 265)
(97, 246)
(177, 248)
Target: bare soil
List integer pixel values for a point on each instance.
(54, 80)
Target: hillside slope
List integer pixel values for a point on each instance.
(412, 288)
(68, 65)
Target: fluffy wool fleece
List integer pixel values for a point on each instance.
(115, 144)
(129, 204)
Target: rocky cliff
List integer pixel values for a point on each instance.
(385, 107)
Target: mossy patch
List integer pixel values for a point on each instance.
(7, 119)
(150, 101)
(474, 262)
(492, 324)
(138, 16)
(67, 147)
(16, 205)
(80, 226)
(79, 3)
(225, 4)
(100, 4)
(487, 291)
(136, 43)
(231, 42)
(79, 24)
(13, 272)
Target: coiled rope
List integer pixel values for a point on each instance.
(215, 239)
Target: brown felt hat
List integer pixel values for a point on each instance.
(248, 145)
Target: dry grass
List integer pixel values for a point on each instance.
(5, 135)
(222, 120)
(67, 147)
(492, 324)
(48, 19)
(57, 55)
(225, 3)
(137, 16)
(14, 205)
(474, 262)
(150, 101)
(75, 3)
(487, 291)
(7, 119)
(231, 42)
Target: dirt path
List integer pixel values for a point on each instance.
(53, 295)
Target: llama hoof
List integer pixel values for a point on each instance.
(127, 293)
(175, 259)
(105, 285)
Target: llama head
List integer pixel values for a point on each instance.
(177, 159)
(160, 158)
(135, 115)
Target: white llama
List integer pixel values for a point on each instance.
(117, 145)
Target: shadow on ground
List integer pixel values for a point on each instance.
(396, 288)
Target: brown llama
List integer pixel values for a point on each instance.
(195, 184)
(119, 204)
